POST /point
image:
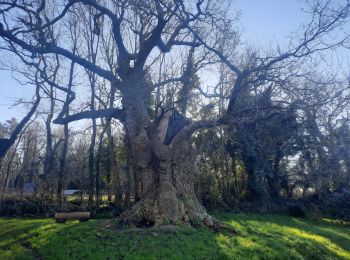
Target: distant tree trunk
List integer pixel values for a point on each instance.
(9, 165)
(113, 164)
(91, 155)
(97, 174)
(65, 140)
(62, 164)
(50, 149)
(111, 159)
(113, 170)
(91, 164)
(7, 174)
(98, 166)
(82, 186)
(250, 159)
(49, 157)
(232, 153)
(92, 40)
(109, 183)
(318, 139)
(275, 179)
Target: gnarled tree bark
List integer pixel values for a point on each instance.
(168, 170)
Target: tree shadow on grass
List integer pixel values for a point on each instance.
(74, 240)
(337, 233)
(263, 237)
(281, 237)
(81, 242)
(14, 236)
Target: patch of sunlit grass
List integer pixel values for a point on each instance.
(262, 237)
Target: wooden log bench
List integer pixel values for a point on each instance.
(63, 217)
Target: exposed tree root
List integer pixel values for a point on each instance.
(129, 220)
(217, 226)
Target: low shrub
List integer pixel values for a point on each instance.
(296, 210)
(108, 210)
(29, 206)
(336, 205)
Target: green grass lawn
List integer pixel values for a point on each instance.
(262, 237)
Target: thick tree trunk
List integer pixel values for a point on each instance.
(128, 173)
(167, 168)
(136, 183)
(170, 195)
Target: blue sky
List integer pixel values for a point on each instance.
(10, 92)
(263, 22)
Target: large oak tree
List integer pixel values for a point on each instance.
(143, 31)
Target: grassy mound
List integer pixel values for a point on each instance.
(262, 237)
